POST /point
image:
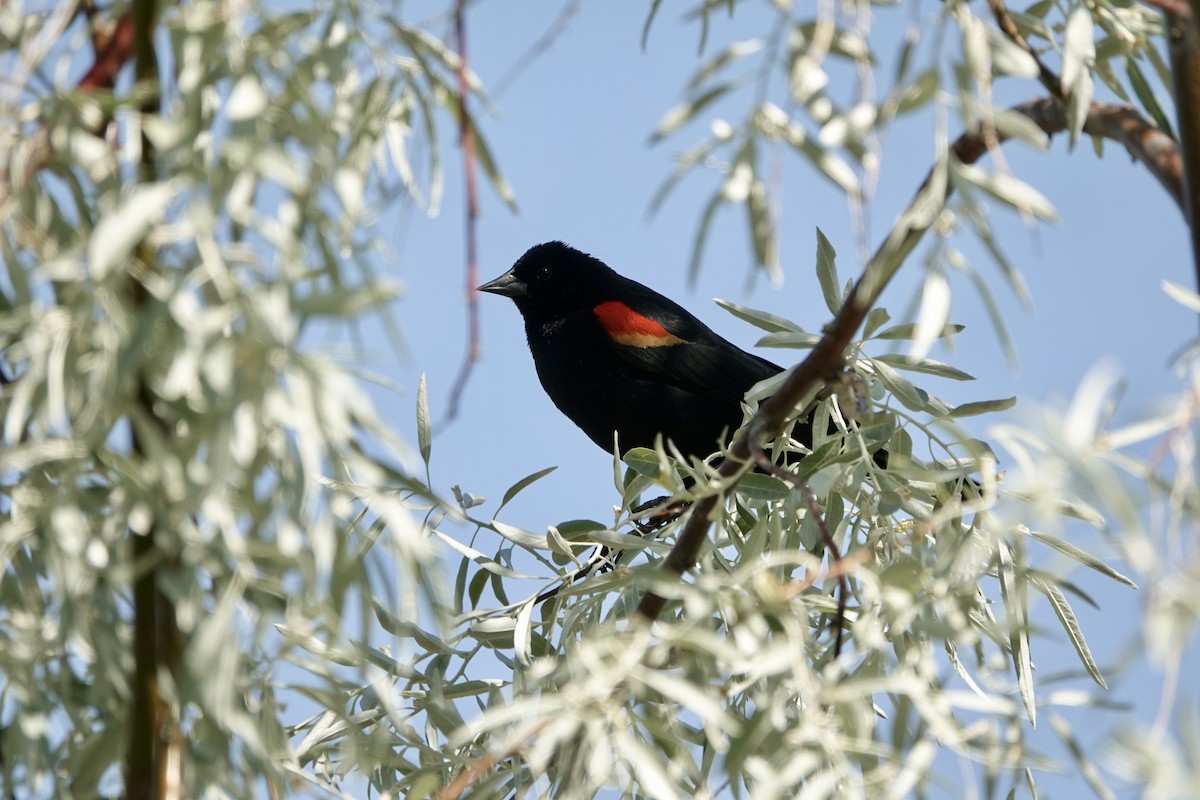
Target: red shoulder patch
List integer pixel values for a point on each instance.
(628, 327)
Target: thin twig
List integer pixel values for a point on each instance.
(482, 765)
(814, 508)
(467, 143)
(537, 49)
(1008, 27)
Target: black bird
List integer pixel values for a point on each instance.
(618, 357)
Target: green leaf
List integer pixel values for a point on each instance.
(982, 407)
(683, 113)
(499, 183)
(520, 485)
(793, 339)
(876, 318)
(1008, 190)
(424, 432)
(918, 93)
(926, 366)
(910, 396)
(1013, 594)
(345, 301)
(760, 319)
(644, 461)
(1182, 295)
(1070, 623)
(906, 331)
(1082, 556)
(827, 273)
(756, 486)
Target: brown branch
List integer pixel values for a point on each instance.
(467, 143)
(154, 759)
(814, 509)
(1050, 79)
(480, 766)
(117, 52)
(1146, 144)
(102, 76)
(1184, 49)
(825, 360)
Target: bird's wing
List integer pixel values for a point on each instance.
(662, 340)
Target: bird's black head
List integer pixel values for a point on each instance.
(552, 280)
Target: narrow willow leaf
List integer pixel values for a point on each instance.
(120, 230)
(902, 388)
(925, 366)
(683, 113)
(908, 329)
(932, 316)
(876, 319)
(918, 93)
(794, 339)
(346, 301)
(424, 431)
(484, 561)
(1086, 768)
(497, 180)
(1070, 623)
(760, 319)
(1182, 295)
(526, 539)
(1009, 190)
(1079, 54)
(701, 237)
(1082, 556)
(827, 273)
(523, 633)
(521, 485)
(1013, 594)
(982, 407)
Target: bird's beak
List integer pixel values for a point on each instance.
(507, 285)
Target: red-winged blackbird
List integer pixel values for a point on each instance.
(618, 357)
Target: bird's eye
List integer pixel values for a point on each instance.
(543, 273)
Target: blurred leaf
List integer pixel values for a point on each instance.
(1017, 607)
(424, 432)
(685, 112)
(907, 330)
(982, 407)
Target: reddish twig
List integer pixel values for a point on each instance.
(116, 52)
(1049, 79)
(814, 508)
(467, 142)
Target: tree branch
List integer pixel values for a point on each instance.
(1184, 49)
(825, 360)
(154, 759)
(1048, 77)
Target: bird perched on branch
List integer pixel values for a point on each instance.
(619, 358)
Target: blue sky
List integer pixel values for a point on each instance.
(572, 138)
